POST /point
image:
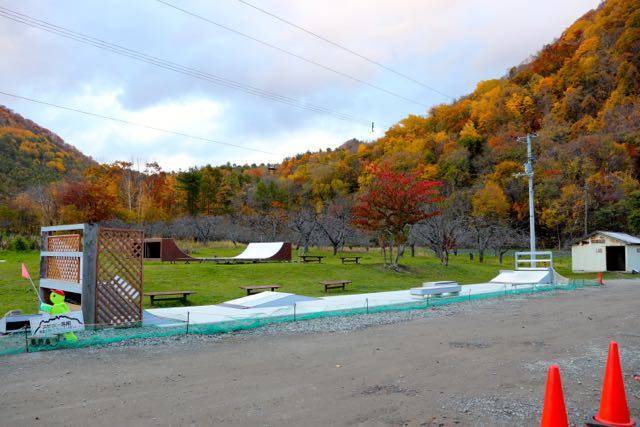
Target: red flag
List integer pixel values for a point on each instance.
(25, 273)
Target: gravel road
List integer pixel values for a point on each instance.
(472, 364)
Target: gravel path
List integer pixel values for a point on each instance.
(482, 364)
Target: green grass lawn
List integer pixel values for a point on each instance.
(216, 283)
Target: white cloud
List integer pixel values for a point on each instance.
(448, 44)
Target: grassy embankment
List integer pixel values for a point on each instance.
(216, 283)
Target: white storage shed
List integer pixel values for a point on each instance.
(606, 251)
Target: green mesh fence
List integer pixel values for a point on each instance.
(21, 343)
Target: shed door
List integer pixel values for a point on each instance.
(616, 259)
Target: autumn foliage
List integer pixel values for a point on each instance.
(392, 201)
(580, 94)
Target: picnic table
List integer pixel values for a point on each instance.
(334, 284)
(260, 288)
(165, 295)
(186, 260)
(311, 258)
(352, 259)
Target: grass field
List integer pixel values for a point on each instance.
(216, 283)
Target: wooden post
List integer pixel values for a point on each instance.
(43, 260)
(89, 262)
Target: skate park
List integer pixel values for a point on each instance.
(533, 281)
(531, 286)
(275, 304)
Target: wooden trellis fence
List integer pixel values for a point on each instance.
(100, 268)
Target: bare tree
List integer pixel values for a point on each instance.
(131, 185)
(482, 231)
(505, 239)
(46, 203)
(205, 227)
(334, 222)
(304, 226)
(442, 233)
(269, 226)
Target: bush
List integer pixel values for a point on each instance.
(19, 243)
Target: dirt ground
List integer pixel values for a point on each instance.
(485, 365)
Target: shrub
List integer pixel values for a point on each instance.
(19, 243)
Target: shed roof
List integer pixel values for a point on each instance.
(622, 237)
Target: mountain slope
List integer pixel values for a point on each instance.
(32, 155)
(581, 94)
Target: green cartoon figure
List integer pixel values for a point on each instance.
(57, 308)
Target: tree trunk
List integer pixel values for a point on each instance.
(470, 256)
(481, 255)
(413, 250)
(444, 258)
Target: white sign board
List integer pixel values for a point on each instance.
(46, 325)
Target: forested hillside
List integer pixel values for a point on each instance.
(580, 94)
(31, 155)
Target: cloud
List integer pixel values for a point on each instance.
(447, 44)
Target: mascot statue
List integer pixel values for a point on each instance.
(57, 308)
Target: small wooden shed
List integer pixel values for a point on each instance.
(606, 251)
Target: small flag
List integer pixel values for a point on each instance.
(25, 273)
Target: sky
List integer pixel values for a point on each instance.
(447, 45)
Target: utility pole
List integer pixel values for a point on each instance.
(528, 172)
(586, 207)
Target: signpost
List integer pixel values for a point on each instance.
(46, 325)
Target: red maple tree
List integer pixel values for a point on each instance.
(393, 201)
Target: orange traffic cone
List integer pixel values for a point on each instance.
(554, 413)
(613, 411)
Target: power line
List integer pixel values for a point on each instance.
(295, 55)
(344, 48)
(172, 66)
(126, 122)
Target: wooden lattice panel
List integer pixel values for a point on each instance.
(63, 243)
(119, 276)
(63, 268)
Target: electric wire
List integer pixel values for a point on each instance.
(172, 66)
(130, 123)
(346, 49)
(295, 55)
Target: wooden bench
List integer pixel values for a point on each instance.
(168, 295)
(311, 258)
(353, 259)
(334, 284)
(261, 288)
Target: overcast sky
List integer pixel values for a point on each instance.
(447, 44)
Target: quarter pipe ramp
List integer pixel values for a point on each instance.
(257, 252)
(526, 277)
